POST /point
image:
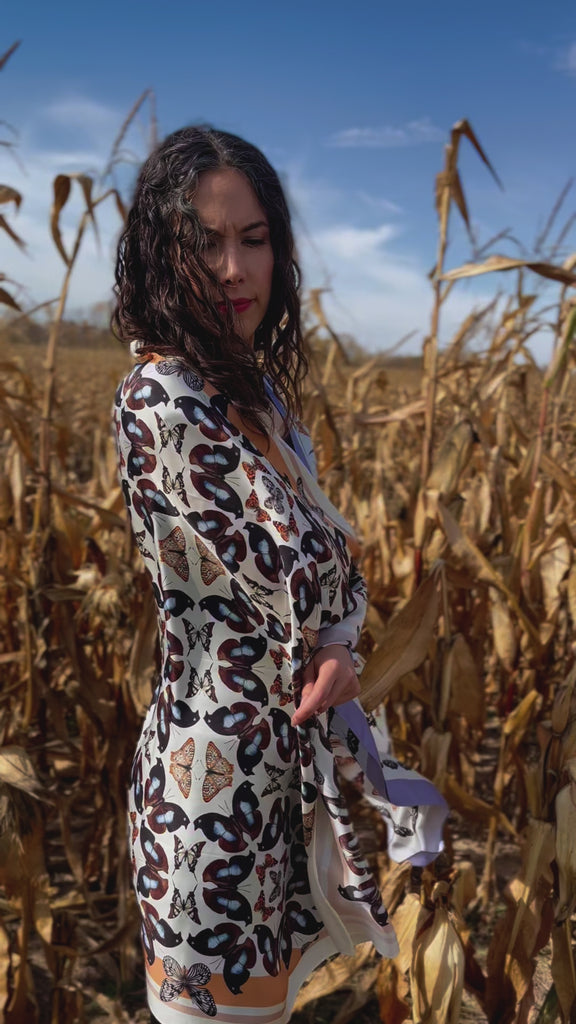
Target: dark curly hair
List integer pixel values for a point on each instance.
(165, 290)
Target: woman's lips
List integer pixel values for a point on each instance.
(240, 305)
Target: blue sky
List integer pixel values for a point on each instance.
(351, 102)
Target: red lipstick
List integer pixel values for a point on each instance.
(240, 305)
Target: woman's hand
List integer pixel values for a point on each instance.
(328, 679)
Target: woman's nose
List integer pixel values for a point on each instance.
(231, 267)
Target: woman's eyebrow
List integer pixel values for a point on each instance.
(249, 227)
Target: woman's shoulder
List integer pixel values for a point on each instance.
(159, 381)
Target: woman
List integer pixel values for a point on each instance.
(246, 867)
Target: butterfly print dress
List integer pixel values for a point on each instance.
(246, 867)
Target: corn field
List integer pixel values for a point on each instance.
(459, 474)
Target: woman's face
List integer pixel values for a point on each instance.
(238, 247)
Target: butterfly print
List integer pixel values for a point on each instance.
(172, 602)
(242, 680)
(253, 503)
(187, 906)
(285, 734)
(352, 852)
(187, 979)
(201, 635)
(207, 419)
(261, 869)
(172, 553)
(238, 721)
(274, 774)
(227, 876)
(276, 630)
(267, 556)
(239, 957)
(174, 483)
(171, 435)
(261, 908)
(172, 712)
(217, 490)
(284, 696)
(169, 366)
(244, 652)
(366, 892)
(276, 877)
(216, 458)
(315, 545)
(286, 530)
(279, 657)
(141, 458)
(229, 832)
(275, 501)
(197, 684)
(219, 773)
(135, 829)
(146, 392)
(189, 856)
(278, 825)
(330, 579)
(225, 610)
(260, 593)
(162, 815)
(155, 928)
(210, 567)
(181, 766)
(251, 468)
(174, 663)
(149, 880)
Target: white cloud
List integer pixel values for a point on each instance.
(567, 60)
(414, 133)
(353, 243)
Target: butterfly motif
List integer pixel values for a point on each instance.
(253, 503)
(217, 458)
(277, 825)
(305, 596)
(206, 418)
(308, 825)
(279, 656)
(276, 877)
(261, 869)
(242, 680)
(196, 684)
(352, 852)
(310, 641)
(330, 579)
(366, 892)
(314, 544)
(227, 876)
(274, 774)
(210, 567)
(219, 773)
(285, 734)
(149, 880)
(162, 815)
(228, 611)
(172, 712)
(253, 737)
(174, 663)
(275, 500)
(190, 855)
(201, 635)
(285, 530)
(187, 906)
(146, 392)
(261, 908)
(267, 556)
(172, 602)
(171, 435)
(276, 630)
(168, 366)
(243, 652)
(217, 490)
(174, 483)
(134, 833)
(284, 696)
(239, 957)
(155, 927)
(259, 592)
(140, 537)
(173, 553)
(141, 458)
(181, 766)
(251, 468)
(298, 878)
(187, 979)
(229, 832)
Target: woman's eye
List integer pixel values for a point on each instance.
(254, 242)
